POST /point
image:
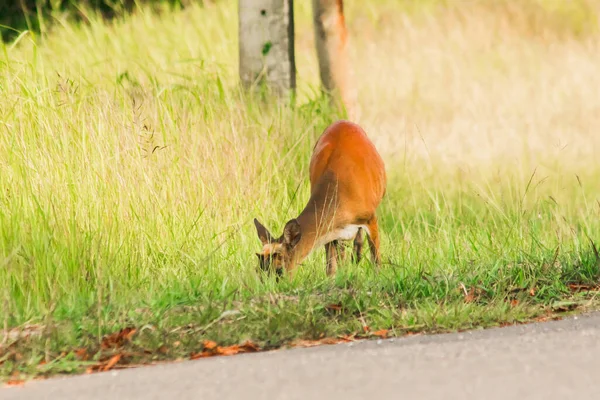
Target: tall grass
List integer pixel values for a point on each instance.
(131, 167)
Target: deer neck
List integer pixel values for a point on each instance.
(316, 220)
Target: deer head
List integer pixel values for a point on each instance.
(278, 254)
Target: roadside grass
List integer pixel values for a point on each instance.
(131, 167)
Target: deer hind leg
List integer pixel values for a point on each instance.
(373, 238)
(331, 250)
(358, 245)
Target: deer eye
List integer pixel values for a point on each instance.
(276, 256)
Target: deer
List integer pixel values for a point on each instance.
(347, 184)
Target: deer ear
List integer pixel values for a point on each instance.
(291, 233)
(263, 234)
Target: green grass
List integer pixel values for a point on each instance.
(131, 167)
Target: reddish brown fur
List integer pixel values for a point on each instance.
(348, 182)
(352, 157)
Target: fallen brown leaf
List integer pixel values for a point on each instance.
(112, 362)
(249, 346)
(514, 302)
(334, 307)
(128, 335)
(118, 339)
(106, 365)
(574, 287)
(246, 347)
(228, 350)
(14, 382)
(306, 343)
(330, 340)
(532, 291)
(212, 349)
(348, 338)
(327, 340)
(202, 354)
(209, 344)
(470, 295)
(548, 316)
(82, 354)
(382, 333)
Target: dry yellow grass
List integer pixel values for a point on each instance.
(468, 86)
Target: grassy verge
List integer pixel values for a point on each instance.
(131, 168)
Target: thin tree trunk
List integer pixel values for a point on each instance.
(266, 44)
(331, 40)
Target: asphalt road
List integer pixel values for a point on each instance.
(553, 360)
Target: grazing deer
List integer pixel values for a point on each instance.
(348, 181)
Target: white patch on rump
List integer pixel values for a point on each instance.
(346, 233)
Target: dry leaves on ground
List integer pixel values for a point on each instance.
(327, 340)
(575, 287)
(337, 307)
(382, 333)
(548, 316)
(113, 341)
(470, 295)
(14, 382)
(105, 365)
(118, 339)
(82, 354)
(211, 349)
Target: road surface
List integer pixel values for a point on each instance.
(553, 360)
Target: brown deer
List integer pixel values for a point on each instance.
(348, 181)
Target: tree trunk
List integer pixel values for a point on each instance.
(266, 44)
(331, 40)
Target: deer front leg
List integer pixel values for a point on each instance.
(358, 245)
(373, 238)
(331, 254)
